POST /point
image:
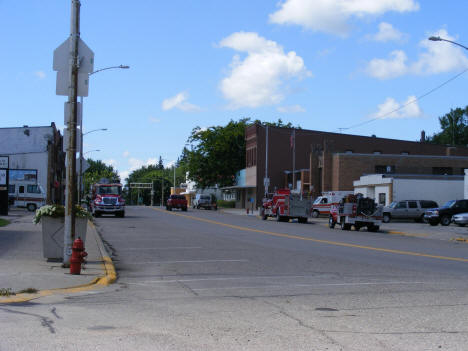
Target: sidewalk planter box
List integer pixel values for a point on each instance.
(53, 230)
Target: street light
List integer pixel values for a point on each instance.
(87, 152)
(449, 41)
(95, 130)
(462, 46)
(81, 122)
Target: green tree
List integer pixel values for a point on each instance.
(454, 127)
(96, 171)
(217, 153)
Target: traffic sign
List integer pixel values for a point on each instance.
(62, 86)
(67, 113)
(66, 137)
(62, 57)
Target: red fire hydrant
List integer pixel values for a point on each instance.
(77, 258)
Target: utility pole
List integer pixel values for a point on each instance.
(266, 181)
(162, 190)
(69, 232)
(174, 180)
(294, 160)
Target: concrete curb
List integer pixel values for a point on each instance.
(109, 278)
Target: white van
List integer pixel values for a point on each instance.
(24, 194)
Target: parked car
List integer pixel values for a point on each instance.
(407, 209)
(176, 201)
(444, 214)
(205, 201)
(460, 219)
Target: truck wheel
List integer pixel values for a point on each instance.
(278, 217)
(198, 207)
(433, 223)
(357, 227)
(373, 228)
(169, 208)
(445, 220)
(302, 219)
(344, 226)
(315, 213)
(120, 214)
(97, 214)
(331, 223)
(31, 207)
(386, 217)
(184, 209)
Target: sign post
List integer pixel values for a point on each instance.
(73, 61)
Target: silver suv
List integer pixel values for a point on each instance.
(204, 201)
(407, 209)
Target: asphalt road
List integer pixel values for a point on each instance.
(206, 280)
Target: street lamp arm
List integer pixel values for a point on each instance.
(95, 130)
(112, 67)
(449, 41)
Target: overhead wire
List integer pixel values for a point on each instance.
(408, 103)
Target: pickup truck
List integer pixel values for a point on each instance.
(176, 201)
(443, 215)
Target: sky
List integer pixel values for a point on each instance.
(351, 66)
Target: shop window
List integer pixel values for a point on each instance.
(442, 170)
(382, 198)
(384, 169)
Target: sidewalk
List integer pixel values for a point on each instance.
(23, 266)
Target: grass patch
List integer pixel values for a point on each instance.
(226, 204)
(6, 292)
(28, 291)
(4, 222)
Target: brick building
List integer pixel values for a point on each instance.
(325, 161)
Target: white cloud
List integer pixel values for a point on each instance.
(391, 68)
(390, 108)
(387, 33)
(126, 154)
(111, 162)
(179, 102)
(291, 109)
(256, 80)
(332, 16)
(154, 120)
(135, 164)
(438, 57)
(40, 74)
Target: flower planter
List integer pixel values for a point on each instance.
(53, 229)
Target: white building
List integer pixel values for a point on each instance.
(38, 150)
(386, 188)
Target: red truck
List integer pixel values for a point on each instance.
(106, 198)
(284, 205)
(176, 201)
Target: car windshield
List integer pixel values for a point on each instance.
(449, 204)
(393, 204)
(109, 190)
(317, 200)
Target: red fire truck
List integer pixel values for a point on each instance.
(357, 211)
(106, 198)
(285, 205)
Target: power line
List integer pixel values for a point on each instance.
(408, 103)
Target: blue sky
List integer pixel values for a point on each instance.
(320, 64)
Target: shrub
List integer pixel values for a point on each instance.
(226, 204)
(58, 211)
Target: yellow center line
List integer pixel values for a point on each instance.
(329, 242)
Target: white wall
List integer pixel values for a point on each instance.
(32, 161)
(440, 191)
